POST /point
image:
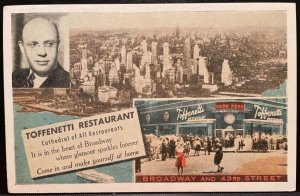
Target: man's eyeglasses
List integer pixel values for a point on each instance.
(46, 44)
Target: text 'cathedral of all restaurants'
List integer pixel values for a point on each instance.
(224, 119)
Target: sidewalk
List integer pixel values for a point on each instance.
(248, 163)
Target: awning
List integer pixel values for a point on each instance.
(193, 125)
(265, 122)
(230, 111)
(188, 122)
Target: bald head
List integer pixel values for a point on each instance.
(38, 27)
(40, 45)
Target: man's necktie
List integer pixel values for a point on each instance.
(29, 82)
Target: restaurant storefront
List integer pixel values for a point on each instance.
(212, 117)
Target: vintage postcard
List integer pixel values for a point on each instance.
(150, 98)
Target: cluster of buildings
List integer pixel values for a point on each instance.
(115, 67)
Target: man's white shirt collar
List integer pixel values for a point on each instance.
(38, 81)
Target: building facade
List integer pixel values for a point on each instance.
(213, 117)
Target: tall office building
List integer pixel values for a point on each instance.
(201, 65)
(144, 46)
(179, 74)
(187, 52)
(84, 68)
(117, 62)
(196, 51)
(147, 80)
(123, 55)
(148, 56)
(154, 50)
(209, 78)
(154, 53)
(129, 60)
(195, 66)
(138, 80)
(206, 73)
(113, 76)
(166, 60)
(146, 59)
(153, 60)
(147, 70)
(226, 76)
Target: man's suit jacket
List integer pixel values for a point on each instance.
(58, 78)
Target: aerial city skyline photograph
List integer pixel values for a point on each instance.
(115, 57)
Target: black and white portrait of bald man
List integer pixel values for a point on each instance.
(40, 45)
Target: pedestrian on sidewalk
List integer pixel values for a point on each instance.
(208, 145)
(205, 145)
(138, 167)
(197, 147)
(180, 159)
(218, 157)
(172, 147)
(187, 148)
(164, 150)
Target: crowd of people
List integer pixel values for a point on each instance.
(258, 141)
(193, 144)
(166, 145)
(181, 147)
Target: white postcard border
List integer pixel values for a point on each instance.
(152, 187)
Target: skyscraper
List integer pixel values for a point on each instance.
(154, 49)
(117, 62)
(146, 59)
(148, 56)
(154, 53)
(144, 46)
(196, 51)
(138, 80)
(129, 60)
(226, 76)
(201, 66)
(113, 75)
(147, 70)
(205, 71)
(166, 60)
(187, 52)
(123, 55)
(84, 68)
(179, 74)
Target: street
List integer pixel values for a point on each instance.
(240, 163)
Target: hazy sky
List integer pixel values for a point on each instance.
(223, 19)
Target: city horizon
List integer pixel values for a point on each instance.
(146, 20)
(170, 29)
